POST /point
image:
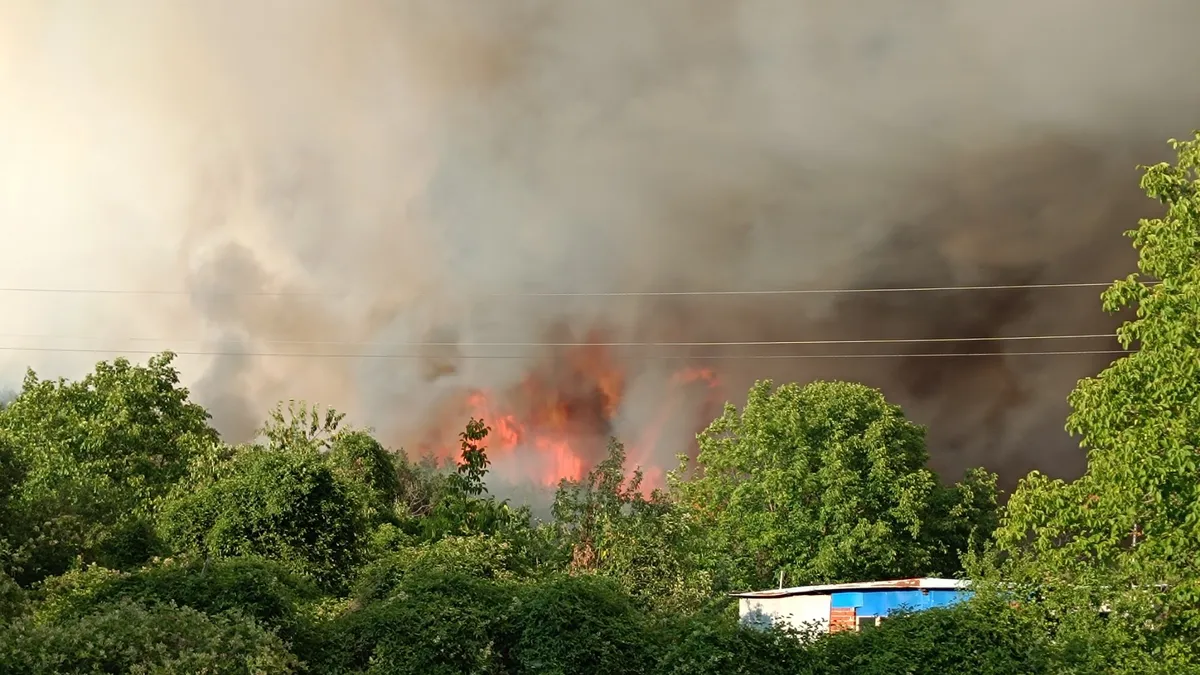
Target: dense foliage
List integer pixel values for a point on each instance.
(1127, 533)
(828, 482)
(133, 540)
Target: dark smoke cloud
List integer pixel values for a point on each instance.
(406, 158)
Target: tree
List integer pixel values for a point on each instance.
(289, 507)
(479, 557)
(97, 455)
(12, 475)
(648, 545)
(713, 642)
(258, 589)
(125, 637)
(301, 427)
(436, 622)
(1129, 528)
(976, 637)
(464, 507)
(580, 624)
(360, 459)
(825, 483)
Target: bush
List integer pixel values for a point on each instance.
(714, 643)
(359, 458)
(260, 589)
(12, 599)
(126, 637)
(433, 624)
(88, 461)
(582, 624)
(480, 557)
(975, 637)
(288, 507)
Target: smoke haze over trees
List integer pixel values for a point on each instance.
(408, 158)
(133, 538)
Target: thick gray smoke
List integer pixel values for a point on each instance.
(311, 176)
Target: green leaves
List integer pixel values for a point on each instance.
(289, 507)
(828, 482)
(126, 637)
(651, 546)
(463, 508)
(301, 427)
(92, 460)
(1129, 523)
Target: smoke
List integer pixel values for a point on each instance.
(313, 176)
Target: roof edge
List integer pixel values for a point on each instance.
(923, 583)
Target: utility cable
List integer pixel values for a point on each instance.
(651, 357)
(718, 343)
(598, 294)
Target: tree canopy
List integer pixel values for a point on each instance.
(826, 483)
(95, 458)
(1132, 520)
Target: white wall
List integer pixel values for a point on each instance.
(798, 611)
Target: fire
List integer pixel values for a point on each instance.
(556, 423)
(548, 433)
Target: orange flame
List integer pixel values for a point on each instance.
(561, 415)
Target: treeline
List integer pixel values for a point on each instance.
(132, 539)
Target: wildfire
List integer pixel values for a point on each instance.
(556, 423)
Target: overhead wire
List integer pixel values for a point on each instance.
(626, 344)
(506, 357)
(570, 294)
(715, 343)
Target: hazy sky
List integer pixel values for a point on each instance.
(406, 158)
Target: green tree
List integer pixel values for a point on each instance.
(580, 624)
(283, 506)
(1127, 533)
(435, 622)
(826, 482)
(125, 637)
(360, 459)
(263, 590)
(478, 556)
(647, 544)
(97, 456)
(464, 507)
(301, 427)
(713, 642)
(12, 475)
(973, 637)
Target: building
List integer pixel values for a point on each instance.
(837, 607)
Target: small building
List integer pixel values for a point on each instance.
(837, 607)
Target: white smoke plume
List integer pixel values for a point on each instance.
(401, 160)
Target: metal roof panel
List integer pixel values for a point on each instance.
(928, 583)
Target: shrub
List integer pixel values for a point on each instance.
(434, 623)
(480, 557)
(975, 637)
(263, 590)
(288, 507)
(126, 637)
(714, 643)
(582, 624)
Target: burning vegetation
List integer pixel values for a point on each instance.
(555, 423)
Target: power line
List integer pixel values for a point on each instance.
(751, 343)
(597, 294)
(811, 291)
(507, 357)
